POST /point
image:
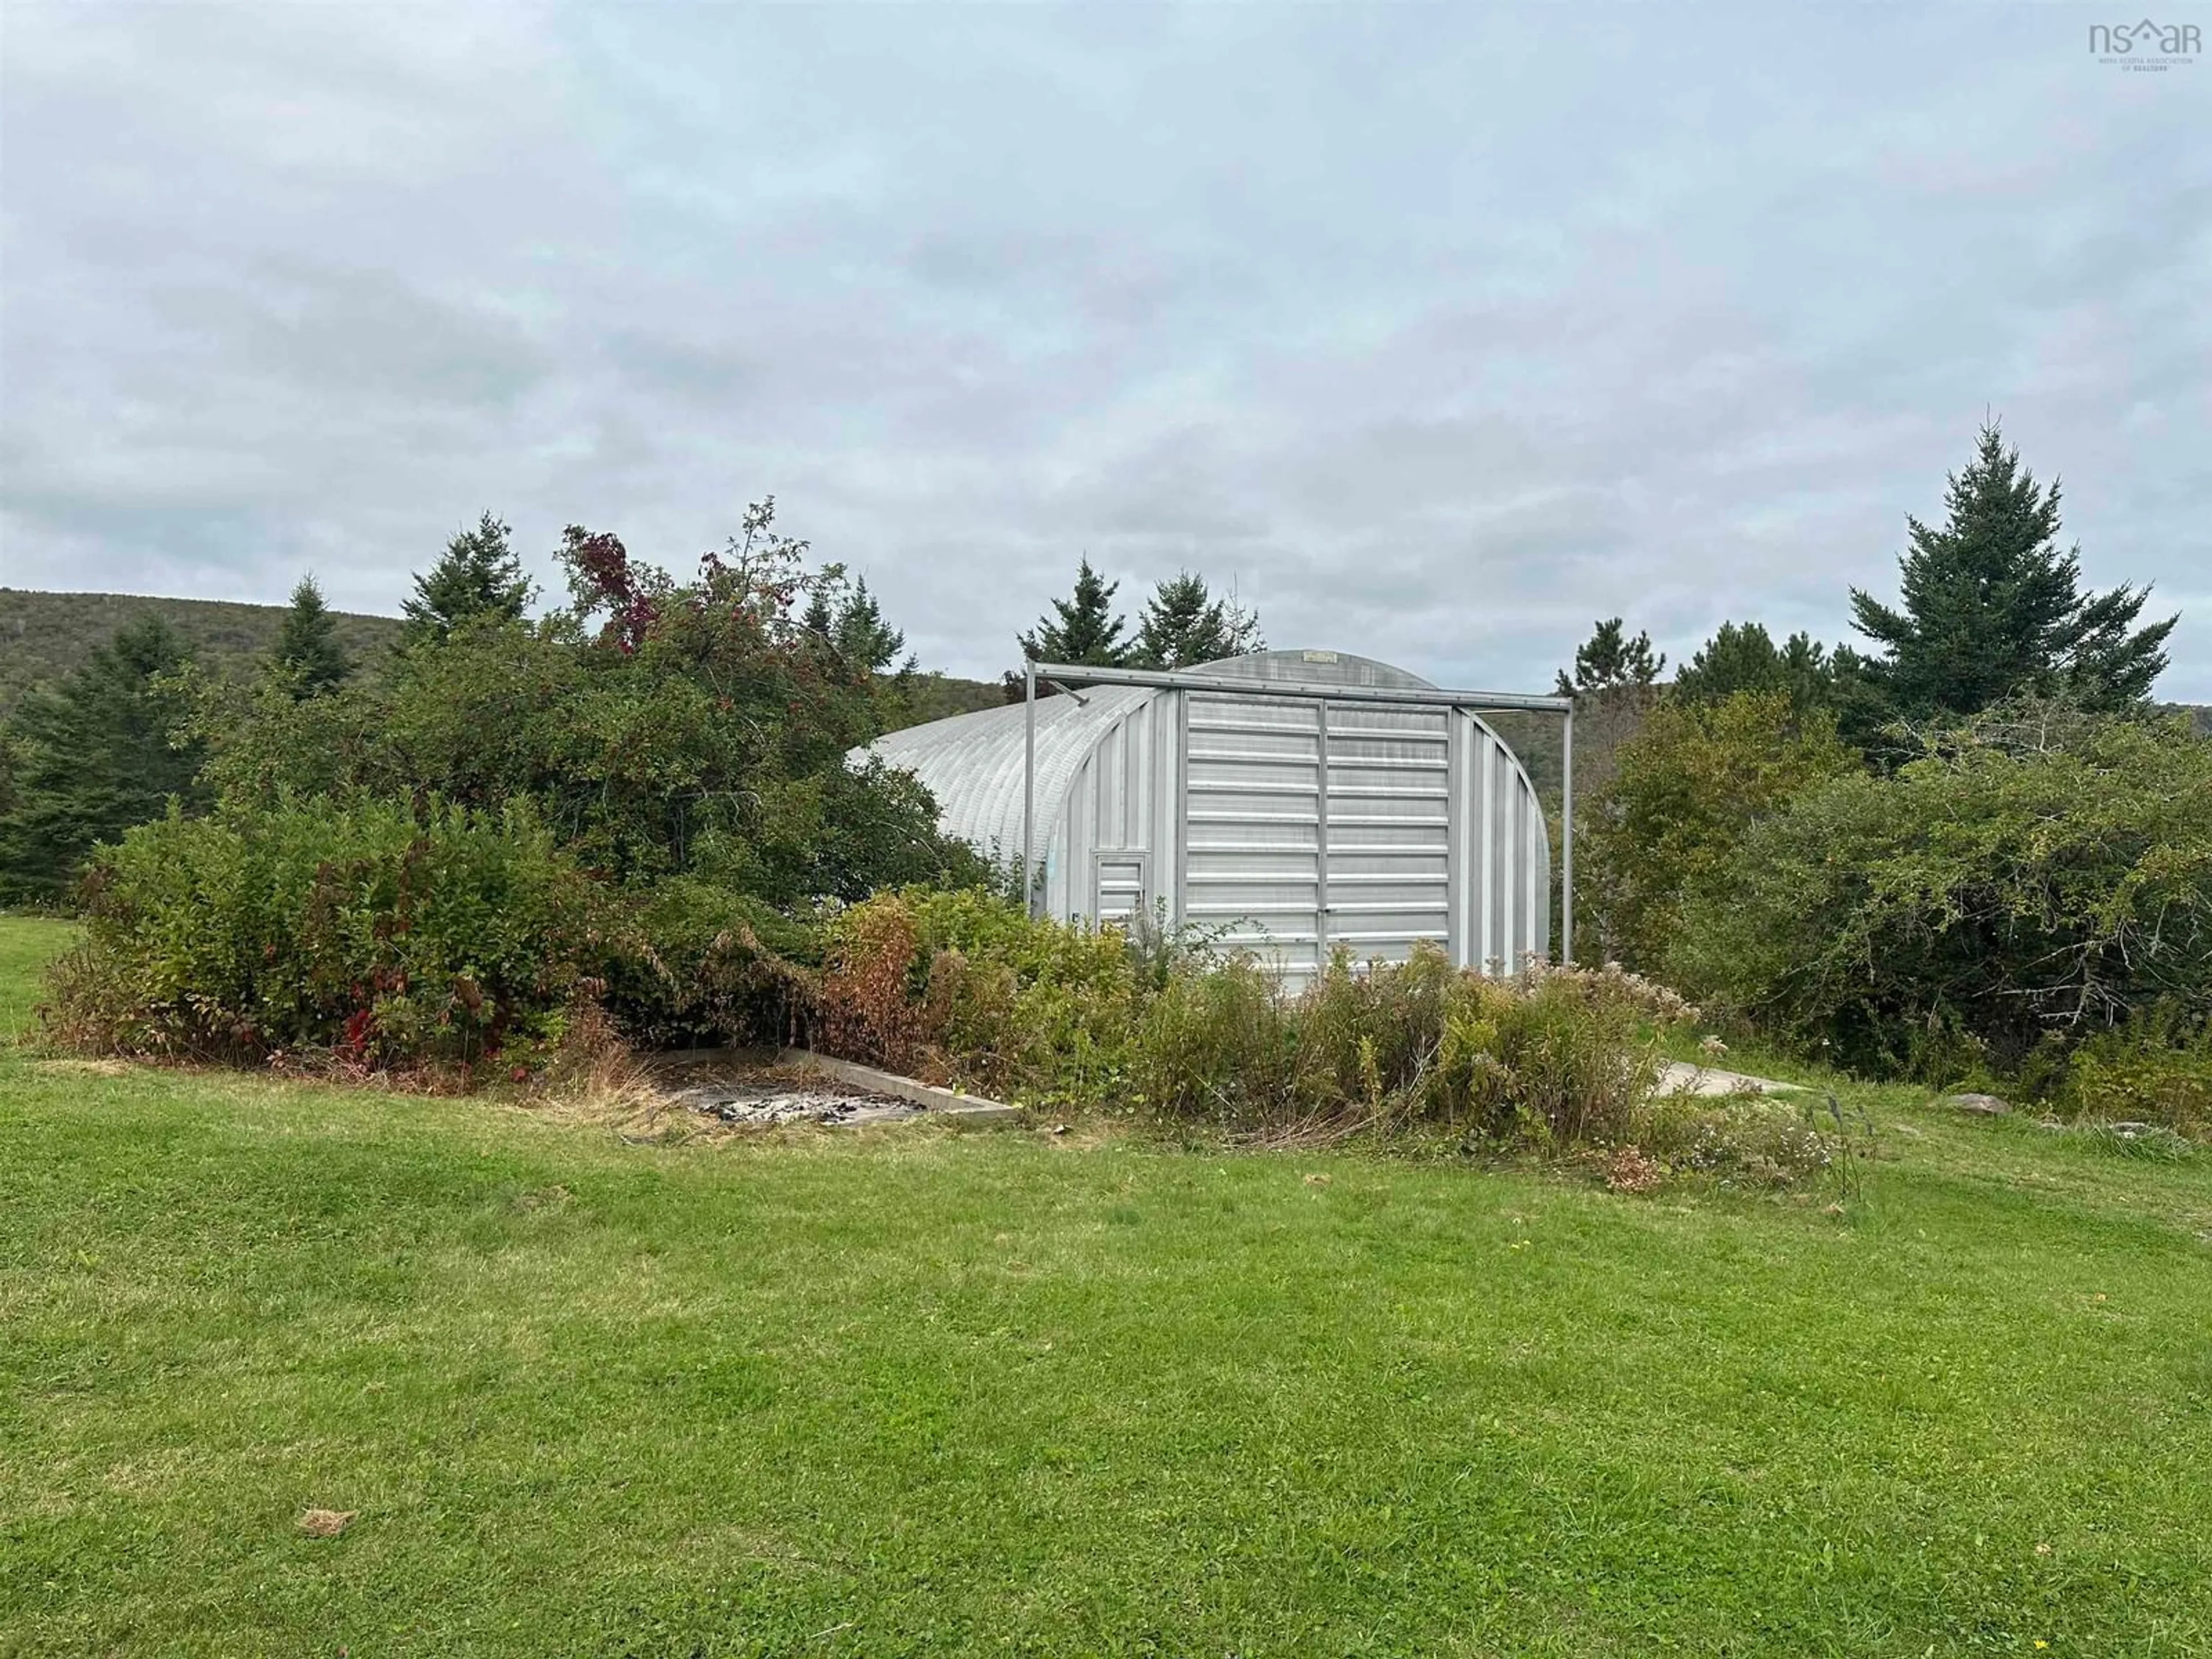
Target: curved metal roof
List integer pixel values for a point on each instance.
(1313, 668)
(973, 763)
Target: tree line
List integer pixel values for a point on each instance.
(1968, 842)
(1183, 624)
(141, 721)
(1970, 848)
(1991, 607)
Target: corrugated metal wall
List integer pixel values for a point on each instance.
(1252, 824)
(1314, 825)
(1118, 819)
(1286, 825)
(1501, 898)
(1389, 827)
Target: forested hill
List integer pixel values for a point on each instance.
(44, 635)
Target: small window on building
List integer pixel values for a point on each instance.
(1122, 890)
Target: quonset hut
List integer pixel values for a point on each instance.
(1285, 801)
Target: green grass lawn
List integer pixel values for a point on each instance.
(914, 1393)
(25, 946)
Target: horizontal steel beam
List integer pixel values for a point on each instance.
(1186, 680)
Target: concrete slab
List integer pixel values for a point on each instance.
(1678, 1078)
(936, 1102)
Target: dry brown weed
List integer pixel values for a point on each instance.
(326, 1523)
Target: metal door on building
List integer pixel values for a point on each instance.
(1386, 828)
(1311, 824)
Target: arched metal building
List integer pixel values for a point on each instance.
(1296, 800)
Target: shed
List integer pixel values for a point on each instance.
(1288, 802)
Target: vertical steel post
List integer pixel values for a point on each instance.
(1028, 787)
(1567, 843)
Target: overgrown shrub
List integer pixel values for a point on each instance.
(1221, 1045)
(1684, 790)
(684, 743)
(2157, 1069)
(1548, 1058)
(708, 964)
(961, 985)
(353, 928)
(965, 987)
(1551, 1057)
(2036, 878)
(660, 727)
(1746, 1140)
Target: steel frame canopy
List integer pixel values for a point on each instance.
(1065, 677)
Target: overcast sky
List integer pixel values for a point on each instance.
(1441, 333)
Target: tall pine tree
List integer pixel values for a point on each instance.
(849, 621)
(1992, 608)
(479, 574)
(1082, 628)
(865, 639)
(308, 654)
(1184, 624)
(1743, 656)
(92, 756)
(1610, 661)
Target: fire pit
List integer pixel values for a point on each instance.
(773, 1100)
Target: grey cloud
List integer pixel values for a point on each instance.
(355, 333)
(1443, 333)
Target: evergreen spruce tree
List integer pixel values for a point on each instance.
(1609, 661)
(1992, 609)
(307, 652)
(849, 624)
(1743, 656)
(818, 619)
(1082, 628)
(1184, 624)
(479, 574)
(863, 639)
(90, 756)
